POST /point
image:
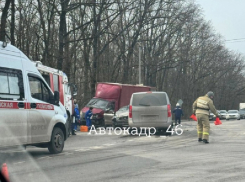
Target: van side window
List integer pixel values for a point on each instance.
(11, 81)
(39, 90)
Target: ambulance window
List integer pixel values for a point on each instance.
(36, 89)
(11, 84)
(39, 90)
(56, 82)
(46, 93)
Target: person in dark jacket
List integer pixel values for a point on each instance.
(77, 118)
(88, 115)
(178, 113)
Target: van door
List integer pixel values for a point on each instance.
(41, 110)
(13, 113)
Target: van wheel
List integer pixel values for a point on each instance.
(57, 142)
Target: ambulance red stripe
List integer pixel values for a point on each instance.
(14, 105)
(8, 105)
(42, 106)
(27, 105)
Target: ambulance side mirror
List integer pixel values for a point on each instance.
(74, 90)
(56, 98)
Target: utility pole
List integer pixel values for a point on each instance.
(139, 64)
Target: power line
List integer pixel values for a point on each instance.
(234, 39)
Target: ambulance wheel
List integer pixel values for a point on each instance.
(57, 142)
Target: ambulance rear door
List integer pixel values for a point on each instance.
(13, 112)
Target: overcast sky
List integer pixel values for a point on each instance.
(228, 19)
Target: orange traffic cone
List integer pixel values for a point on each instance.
(5, 172)
(193, 117)
(217, 121)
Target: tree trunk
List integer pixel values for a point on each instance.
(95, 47)
(62, 32)
(12, 22)
(4, 20)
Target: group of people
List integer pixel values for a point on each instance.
(76, 116)
(201, 108)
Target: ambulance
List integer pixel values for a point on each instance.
(30, 112)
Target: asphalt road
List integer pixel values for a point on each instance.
(133, 158)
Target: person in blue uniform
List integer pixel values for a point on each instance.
(77, 118)
(178, 113)
(88, 115)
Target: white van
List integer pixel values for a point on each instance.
(30, 113)
(150, 109)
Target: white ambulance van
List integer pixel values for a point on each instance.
(30, 113)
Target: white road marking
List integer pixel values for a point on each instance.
(109, 144)
(20, 162)
(97, 147)
(78, 150)
(68, 153)
(82, 150)
(46, 157)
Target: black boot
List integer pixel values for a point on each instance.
(205, 141)
(73, 132)
(200, 139)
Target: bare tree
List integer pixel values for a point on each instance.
(4, 20)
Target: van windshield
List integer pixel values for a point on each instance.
(98, 103)
(149, 99)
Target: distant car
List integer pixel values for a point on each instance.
(121, 117)
(233, 114)
(242, 113)
(212, 116)
(223, 114)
